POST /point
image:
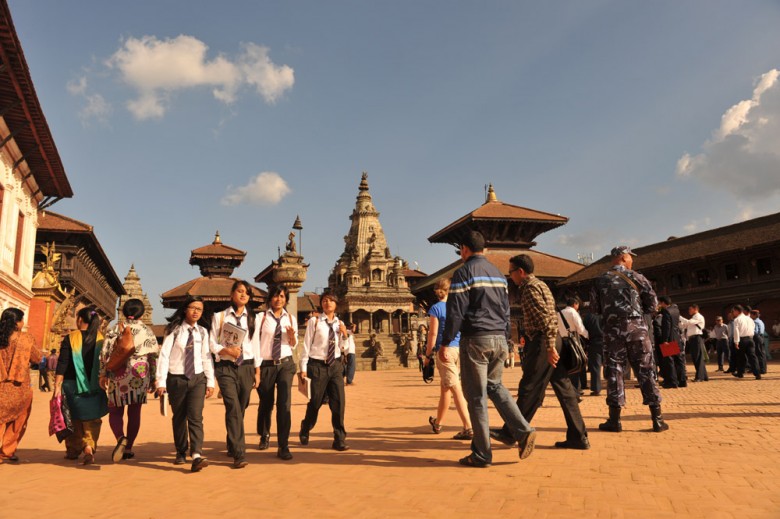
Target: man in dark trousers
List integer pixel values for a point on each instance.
(623, 297)
(592, 323)
(539, 327)
(478, 307)
(672, 367)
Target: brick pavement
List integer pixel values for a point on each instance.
(720, 459)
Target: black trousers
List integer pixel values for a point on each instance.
(696, 346)
(326, 380)
(235, 384)
(758, 340)
(279, 379)
(537, 374)
(595, 363)
(187, 398)
(733, 356)
(746, 357)
(722, 351)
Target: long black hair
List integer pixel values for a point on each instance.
(91, 318)
(133, 309)
(177, 318)
(275, 290)
(8, 322)
(250, 315)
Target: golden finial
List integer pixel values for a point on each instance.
(491, 196)
(217, 239)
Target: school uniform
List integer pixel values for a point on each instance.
(235, 377)
(277, 370)
(185, 369)
(321, 361)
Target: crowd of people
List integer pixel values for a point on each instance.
(237, 351)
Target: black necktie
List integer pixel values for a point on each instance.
(189, 356)
(276, 350)
(331, 343)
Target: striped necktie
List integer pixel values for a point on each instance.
(331, 343)
(276, 350)
(240, 358)
(189, 356)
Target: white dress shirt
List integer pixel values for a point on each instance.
(744, 326)
(171, 359)
(350, 341)
(267, 327)
(315, 341)
(575, 323)
(692, 326)
(250, 346)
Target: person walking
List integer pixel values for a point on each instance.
(349, 349)
(478, 308)
(720, 332)
(694, 341)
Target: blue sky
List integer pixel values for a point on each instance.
(174, 119)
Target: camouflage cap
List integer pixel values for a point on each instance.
(620, 250)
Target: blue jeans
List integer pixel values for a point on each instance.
(481, 367)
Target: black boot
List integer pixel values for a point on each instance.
(613, 423)
(658, 420)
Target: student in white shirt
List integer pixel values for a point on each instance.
(572, 315)
(744, 328)
(349, 350)
(695, 342)
(237, 368)
(277, 336)
(185, 371)
(321, 362)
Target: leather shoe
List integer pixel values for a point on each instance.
(265, 442)
(595, 393)
(284, 454)
(304, 437)
(240, 463)
(500, 435)
(340, 446)
(526, 444)
(581, 446)
(470, 461)
(199, 464)
(180, 460)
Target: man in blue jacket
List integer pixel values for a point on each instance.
(478, 307)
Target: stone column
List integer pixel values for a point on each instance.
(290, 271)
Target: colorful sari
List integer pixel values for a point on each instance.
(86, 399)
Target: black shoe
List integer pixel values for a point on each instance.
(683, 384)
(470, 461)
(581, 446)
(284, 454)
(613, 423)
(265, 442)
(303, 436)
(240, 463)
(525, 444)
(502, 436)
(730, 370)
(669, 385)
(340, 446)
(180, 460)
(199, 464)
(758, 377)
(595, 393)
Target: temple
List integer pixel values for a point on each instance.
(133, 290)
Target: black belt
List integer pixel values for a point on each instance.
(267, 363)
(231, 363)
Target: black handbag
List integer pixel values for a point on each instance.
(66, 417)
(573, 356)
(427, 371)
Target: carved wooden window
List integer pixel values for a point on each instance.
(703, 277)
(676, 281)
(732, 271)
(764, 266)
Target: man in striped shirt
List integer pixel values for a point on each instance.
(478, 307)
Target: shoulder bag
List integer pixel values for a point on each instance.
(573, 356)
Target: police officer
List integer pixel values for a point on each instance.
(623, 297)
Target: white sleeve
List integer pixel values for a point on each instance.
(311, 327)
(163, 360)
(208, 365)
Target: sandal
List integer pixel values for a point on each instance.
(465, 434)
(434, 425)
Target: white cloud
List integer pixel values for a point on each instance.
(156, 69)
(586, 241)
(696, 225)
(266, 188)
(743, 156)
(95, 105)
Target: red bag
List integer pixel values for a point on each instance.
(60, 422)
(669, 349)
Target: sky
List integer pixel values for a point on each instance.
(175, 119)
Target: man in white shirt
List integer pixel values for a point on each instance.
(572, 315)
(744, 328)
(349, 367)
(693, 328)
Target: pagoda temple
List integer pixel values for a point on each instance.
(133, 290)
(216, 262)
(509, 230)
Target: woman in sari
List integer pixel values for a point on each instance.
(77, 378)
(127, 386)
(17, 351)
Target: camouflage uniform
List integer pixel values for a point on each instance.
(626, 333)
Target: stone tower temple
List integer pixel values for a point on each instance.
(133, 290)
(369, 281)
